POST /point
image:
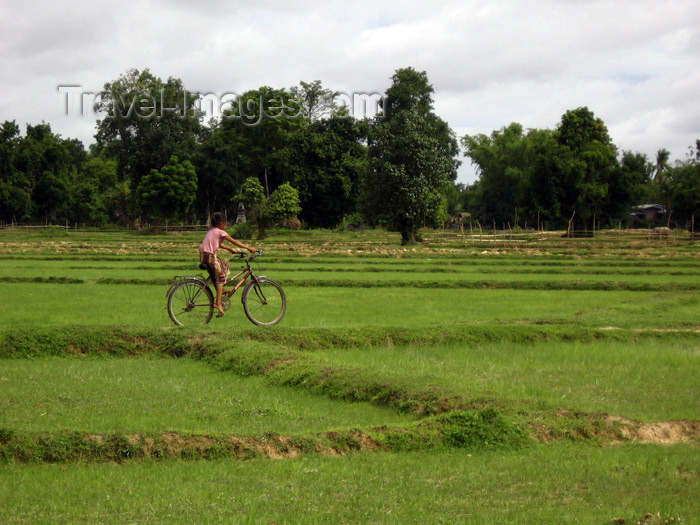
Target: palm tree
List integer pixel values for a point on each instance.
(661, 180)
(662, 157)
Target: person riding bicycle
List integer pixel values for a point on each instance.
(213, 241)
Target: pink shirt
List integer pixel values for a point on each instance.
(212, 240)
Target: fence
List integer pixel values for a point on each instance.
(82, 226)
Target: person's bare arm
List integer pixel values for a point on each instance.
(236, 243)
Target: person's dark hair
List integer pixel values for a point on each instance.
(217, 218)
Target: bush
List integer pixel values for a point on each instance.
(244, 230)
(152, 230)
(54, 231)
(351, 222)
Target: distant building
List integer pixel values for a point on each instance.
(240, 219)
(649, 212)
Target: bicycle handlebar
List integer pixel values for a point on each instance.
(249, 256)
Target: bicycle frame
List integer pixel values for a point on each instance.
(241, 276)
(245, 273)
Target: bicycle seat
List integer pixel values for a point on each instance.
(210, 271)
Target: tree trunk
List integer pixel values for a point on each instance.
(408, 237)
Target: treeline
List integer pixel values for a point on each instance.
(156, 160)
(574, 176)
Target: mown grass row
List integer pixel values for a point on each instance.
(391, 258)
(526, 268)
(337, 242)
(390, 283)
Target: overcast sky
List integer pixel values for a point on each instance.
(634, 63)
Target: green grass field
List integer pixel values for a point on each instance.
(464, 380)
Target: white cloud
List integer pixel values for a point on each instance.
(634, 63)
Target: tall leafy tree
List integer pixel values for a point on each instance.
(94, 193)
(548, 177)
(627, 186)
(685, 190)
(264, 120)
(146, 121)
(168, 193)
(593, 162)
(411, 159)
(543, 187)
(325, 160)
(219, 162)
(15, 187)
(316, 101)
(48, 165)
(502, 161)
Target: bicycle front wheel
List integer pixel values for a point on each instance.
(264, 302)
(190, 303)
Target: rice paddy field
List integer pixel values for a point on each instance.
(469, 379)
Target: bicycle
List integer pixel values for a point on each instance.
(191, 301)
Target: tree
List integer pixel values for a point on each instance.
(628, 186)
(543, 186)
(411, 160)
(593, 159)
(283, 203)
(46, 165)
(316, 102)
(168, 193)
(218, 161)
(263, 120)
(94, 194)
(662, 158)
(684, 185)
(325, 160)
(146, 121)
(502, 161)
(265, 211)
(546, 176)
(15, 200)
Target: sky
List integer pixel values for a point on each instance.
(634, 63)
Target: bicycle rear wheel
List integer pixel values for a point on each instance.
(190, 303)
(264, 302)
